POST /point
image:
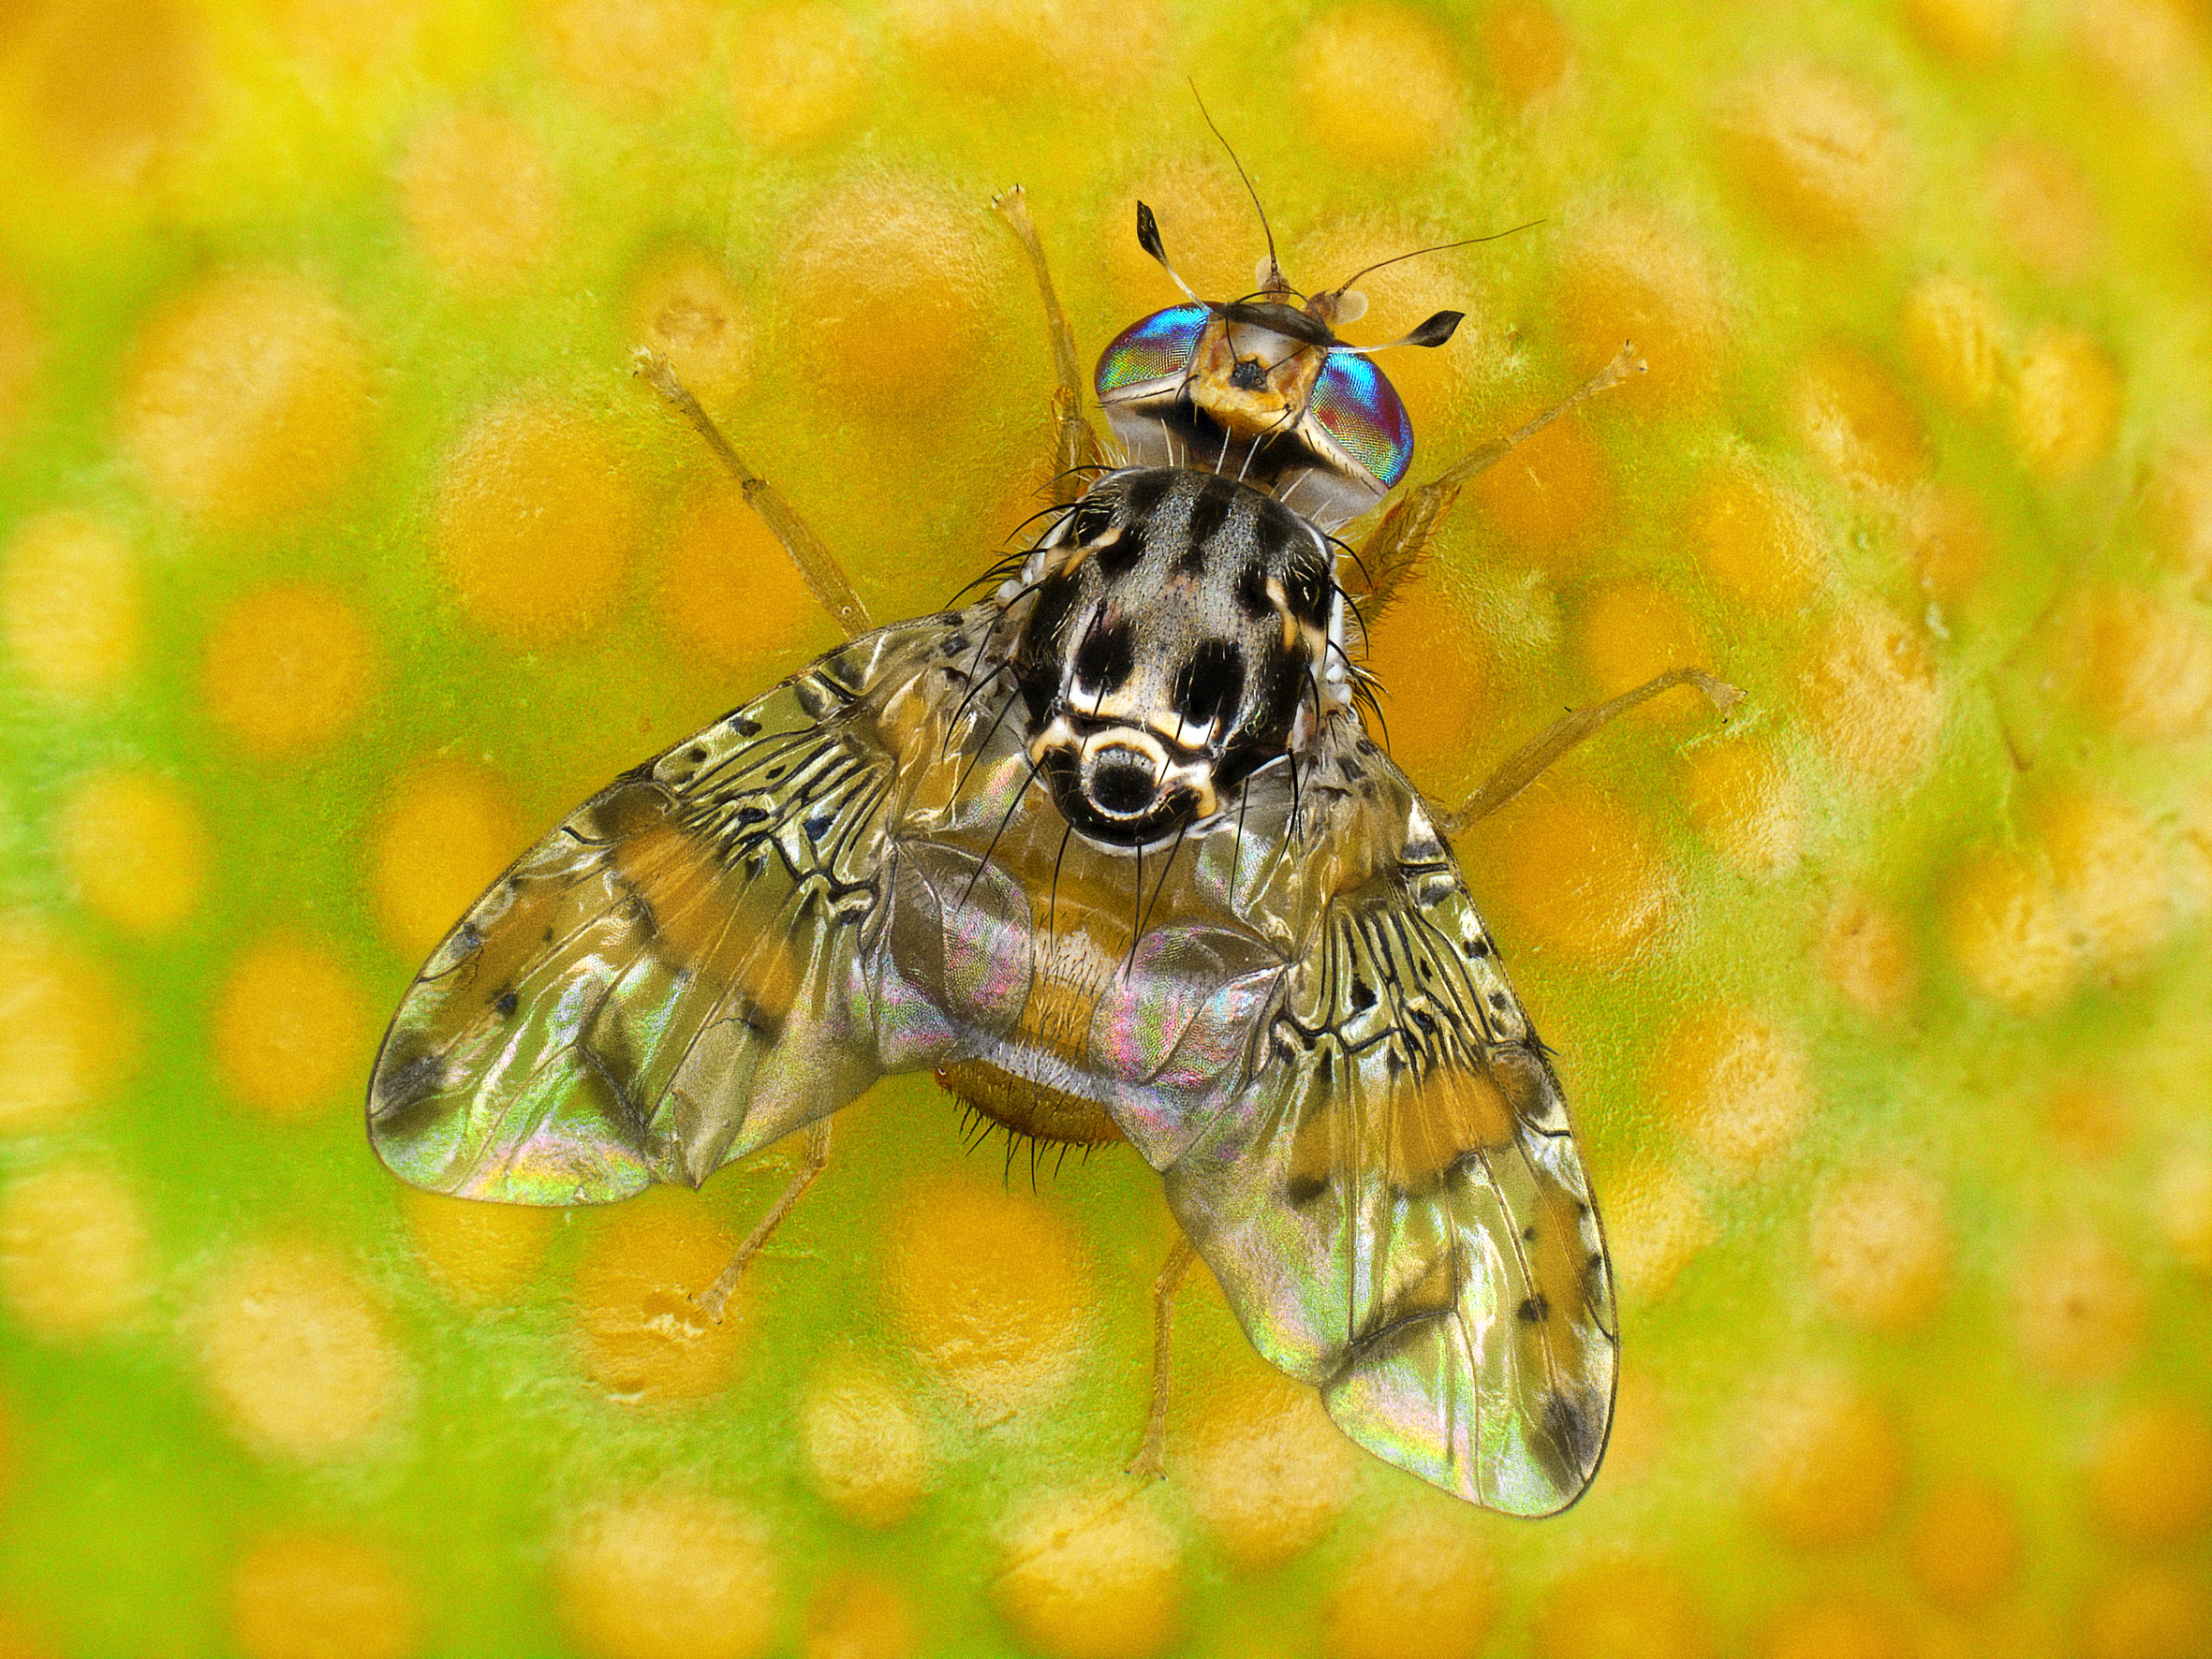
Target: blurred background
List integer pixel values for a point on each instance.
(340, 555)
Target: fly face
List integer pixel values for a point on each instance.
(1177, 644)
(1261, 388)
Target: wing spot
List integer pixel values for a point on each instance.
(744, 725)
(1304, 1189)
(764, 1024)
(1363, 995)
(506, 1004)
(1597, 1288)
(1535, 1310)
(413, 1080)
(1570, 1426)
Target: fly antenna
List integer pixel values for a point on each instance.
(1148, 239)
(1442, 247)
(1274, 269)
(1434, 332)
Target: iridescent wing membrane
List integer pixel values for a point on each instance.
(1312, 1042)
(682, 972)
(1394, 1204)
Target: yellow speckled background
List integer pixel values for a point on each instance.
(340, 554)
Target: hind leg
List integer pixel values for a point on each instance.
(813, 1159)
(1151, 1458)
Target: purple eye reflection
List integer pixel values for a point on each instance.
(1361, 410)
(1154, 349)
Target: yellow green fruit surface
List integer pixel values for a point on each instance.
(340, 554)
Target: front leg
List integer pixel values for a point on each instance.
(1075, 446)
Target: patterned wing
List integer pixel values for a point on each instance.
(1396, 1207)
(686, 969)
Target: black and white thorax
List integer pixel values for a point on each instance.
(1182, 630)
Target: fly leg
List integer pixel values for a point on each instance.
(1396, 544)
(1075, 446)
(819, 570)
(1522, 767)
(818, 567)
(814, 1158)
(1152, 1456)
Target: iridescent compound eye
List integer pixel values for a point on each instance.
(1160, 346)
(1361, 410)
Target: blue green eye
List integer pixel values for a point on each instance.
(1361, 410)
(1161, 344)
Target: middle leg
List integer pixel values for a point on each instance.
(818, 565)
(1397, 543)
(827, 581)
(1397, 546)
(813, 1159)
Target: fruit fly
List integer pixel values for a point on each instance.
(1112, 853)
